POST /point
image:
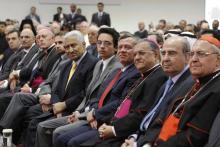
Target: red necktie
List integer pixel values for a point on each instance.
(107, 90)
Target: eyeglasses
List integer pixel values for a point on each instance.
(201, 54)
(105, 43)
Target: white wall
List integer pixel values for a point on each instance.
(124, 16)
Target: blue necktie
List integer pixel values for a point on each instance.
(147, 119)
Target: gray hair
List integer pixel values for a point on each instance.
(183, 41)
(76, 34)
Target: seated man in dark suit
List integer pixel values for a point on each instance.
(138, 99)
(174, 59)
(190, 118)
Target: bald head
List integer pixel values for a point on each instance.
(27, 38)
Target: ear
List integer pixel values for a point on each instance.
(218, 61)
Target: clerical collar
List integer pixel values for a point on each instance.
(205, 79)
(145, 74)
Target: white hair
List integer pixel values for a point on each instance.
(76, 34)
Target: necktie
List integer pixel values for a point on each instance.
(109, 87)
(72, 70)
(147, 119)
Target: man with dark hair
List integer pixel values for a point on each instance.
(60, 16)
(101, 18)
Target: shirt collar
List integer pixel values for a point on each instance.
(105, 62)
(176, 77)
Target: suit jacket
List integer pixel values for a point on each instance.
(73, 20)
(74, 93)
(214, 137)
(10, 64)
(197, 116)
(45, 63)
(105, 19)
(95, 83)
(117, 93)
(179, 89)
(57, 18)
(37, 17)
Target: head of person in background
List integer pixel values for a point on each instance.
(93, 34)
(182, 24)
(33, 10)
(100, 6)
(27, 38)
(13, 38)
(175, 55)
(204, 25)
(107, 42)
(73, 8)
(79, 11)
(141, 26)
(55, 27)
(59, 10)
(8, 28)
(46, 38)
(27, 24)
(8, 22)
(2, 27)
(83, 28)
(74, 45)
(59, 42)
(157, 38)
(190, 28)
(162, 24)
(215, 24)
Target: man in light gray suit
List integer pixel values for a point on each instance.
(106, 44)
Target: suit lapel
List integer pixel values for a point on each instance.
(76, 73)
(104, 74)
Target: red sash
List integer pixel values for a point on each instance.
(169, 128)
